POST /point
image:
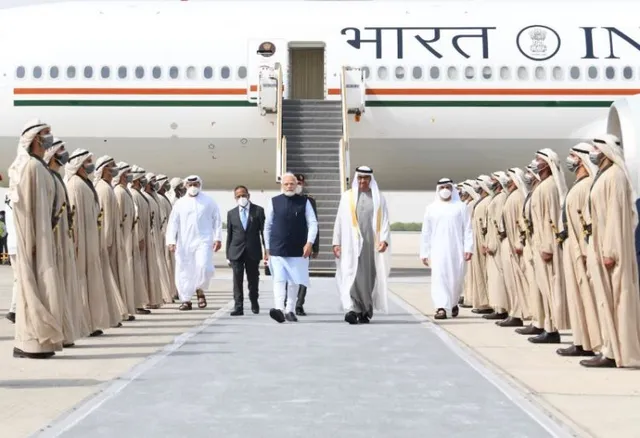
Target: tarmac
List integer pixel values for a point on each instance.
(204, 373)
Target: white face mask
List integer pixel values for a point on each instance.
(298, 190)
(193, 191)
(444, 193)
(242, 202)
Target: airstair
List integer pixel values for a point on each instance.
(313, 139)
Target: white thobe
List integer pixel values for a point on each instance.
(446, 236)
(292, 270)
(194, 225)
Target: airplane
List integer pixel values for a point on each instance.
(426, 89)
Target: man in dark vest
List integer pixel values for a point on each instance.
(289, 232)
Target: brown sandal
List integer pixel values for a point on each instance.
(185, 306)
(202, 300)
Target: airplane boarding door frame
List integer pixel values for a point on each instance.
(265, 52)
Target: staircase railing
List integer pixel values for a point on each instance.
(281, 141)
(344, 141)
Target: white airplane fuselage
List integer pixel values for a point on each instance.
(469, 88)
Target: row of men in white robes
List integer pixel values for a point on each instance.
(561, 258)
(89, 246)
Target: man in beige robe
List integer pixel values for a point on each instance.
(512, 250)
(480, 295)
(122, 262)
(611, 256)
(583, 313)
(110, 238)
(547, 254)
(155, 252)
(84, 201)
(469, 188)
(75, 324)
(140, 232)
(39, 298)
(165, 204)
(498, 298)
(177, 190)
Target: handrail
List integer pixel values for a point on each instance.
(344, 141)
(281, 143)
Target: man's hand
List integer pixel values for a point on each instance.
(467, 256)
(217, 245)
(546, 256)
(306, 251)
(266, 256)
(491, 253)
(584, 261)
(172, 248)
(483, 250)
(336, 251)
(382, 247)
(518, 251)
(425, 262)
(314, 255)
(609, 263)
(141, 245)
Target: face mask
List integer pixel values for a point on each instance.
(242, 202)
(167, 187)
(62, 158)
(129, 178)
(155, 186)
(444, 193)
(143, 181)
(595, 157)
(572, 164)
(193, 190)
(298, 189)
(90, 168)
(528, 179)
(46, 141)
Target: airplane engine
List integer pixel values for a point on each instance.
(624, 121)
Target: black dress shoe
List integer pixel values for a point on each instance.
(131, 318)
(545, 338)
(11, 316)
(351, 317)
(574, 351)
(455, 311)
(493, 316)
(363, 319)
(142, 311)
(300, 311)
(96, 333)
(23, 354)
(510, 322)
(255, 307)
(486, 311)
(460, 301)
(276, 315)
(238, 311)
(599, 361)
(291, 317)
(69, 345)
(529, 330)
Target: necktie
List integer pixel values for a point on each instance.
(243, 217)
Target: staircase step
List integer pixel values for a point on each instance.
(302, 157)
(315, 102)
(313, 129)
(324, 197)
(329, 118)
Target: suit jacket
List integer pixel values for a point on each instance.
(316, 244)
(251, 240)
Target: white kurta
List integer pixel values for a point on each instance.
(290, 269)
(194, 225)
(446, 236)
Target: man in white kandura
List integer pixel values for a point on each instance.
(447, 242)
(289, 232)
(194, 233)
(361, 238)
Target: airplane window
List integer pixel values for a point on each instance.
(627, 72)
(434, 72)
(191, 72)
(486, 72)
(88, 72)
(540, 73)
(416, 72)
(71, 72)
(523, 73)
(366, 72)
(139, 72)
(105, 72)
(557, 73)
(592, 72)
(37, 72)
(20, 72)
(156, 72)
(400, 73)
(452, 73)
(208, 72)
(574, 72)
(469, 72)
(505, 73)
(173, 72)
(225, 72)
(382, 72)
(122, 72)
(54, 72)
(610, 73)
(242, 72)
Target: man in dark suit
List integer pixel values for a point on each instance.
(245, 239)
(302, 290)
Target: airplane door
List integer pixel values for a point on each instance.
(263, 53)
